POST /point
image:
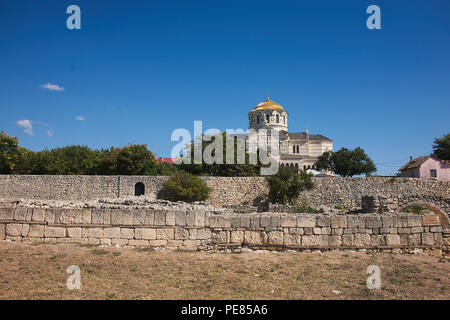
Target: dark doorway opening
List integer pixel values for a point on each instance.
(139, 189)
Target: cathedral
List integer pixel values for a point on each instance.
(297, 149)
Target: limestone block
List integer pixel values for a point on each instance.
(373, 222)
(337, 231)
(190, 218)
(192, 234)
(13, 229)
(356, 221)
(180, 218)
(139, 217)
(253, 237)
(292, 239)
(112, 233)
(324, 240)
(50, 215)
(289, 221)
(339, 222)
(72, 232)
(254, 222)
(275, 221)
(97, 216)
(387, 221)
(165, 234)
(95, 233)
(116, 217)
(264, 221)
(437, 238)
(94, 241)
(317, 230)
(325, 230)
(237, 236)
(245, 221)
(275, 237)
(427, 239)
(335, 241)
(2, 231)
(415, 221)
(127, 217)
(416, 229)
(105, 241)
(306, 221)
(149, 217)
(323, 221)
(392, 239)
(377, 240)
(87, 219)
(361, 239)
(404, 230)
(219, 237)
(160, 218)
(170, 218)
(29, 214)
(199, 219)
(138, 243)
(191, 243)
(20, 214)
(25, 229)
(126, 233)
(414, 240)
(181, 234)
(54, 232)
(310, 240)
(38, 214)
(6, 213)
(299, 231)
(203, 234)
(347, 240)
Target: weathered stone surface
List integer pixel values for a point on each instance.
(199, 219)
(170, 218)
(180, 218)
(323, 221)
(288, 221)
(72, 232)
(292, 239)
(414, 240)
(112, 233)
(237, 236)
(415, 221)
(427, 239)
(145, 233)
(6, 213)
(310, 240)
(335, 241)
(13, 229)
(253, 238)
(275, 237)
(339, 222)
(219, 237)
(95, 232)
(392, 239)
(264, 221)
(160, 218)
(361, 239)
(97, 216)
(20, 214)
(127, 217)
(2, 231)
(54, 232)
(181, 234)
(165, 234)
(190, 218)
(126, 233)
(203, 234)
(36, 231)
(373, 222)
(306, 221)
(139, 217)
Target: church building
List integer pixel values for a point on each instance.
(297, 149)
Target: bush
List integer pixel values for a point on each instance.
(183, 186)
(286, 185)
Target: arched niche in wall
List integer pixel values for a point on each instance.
(139, 189)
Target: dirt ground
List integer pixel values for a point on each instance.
(38, 271)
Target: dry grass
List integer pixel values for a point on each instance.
(39, 272)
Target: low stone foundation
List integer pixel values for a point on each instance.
(200, 230)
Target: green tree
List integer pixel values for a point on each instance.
(224, 170)
(10, 153)
(136, 160)
(346, 163)
(183, 186)
(441, 147)
(285, 186)
(69, 160)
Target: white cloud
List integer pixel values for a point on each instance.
(80, 118)
(27, 125)
(52, 87)
(50, 133)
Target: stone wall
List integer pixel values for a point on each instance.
(251, 191)
(202, 230)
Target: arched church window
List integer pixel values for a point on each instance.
(304, 168)
(293, 149)
(296, 165)
(298, 149)
(278, 119)
(259, 119)
(139, 189)
(267, 117)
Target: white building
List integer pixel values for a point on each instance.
(297, 149)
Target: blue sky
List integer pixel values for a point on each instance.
(137, 70)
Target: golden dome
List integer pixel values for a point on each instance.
(268, 105)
